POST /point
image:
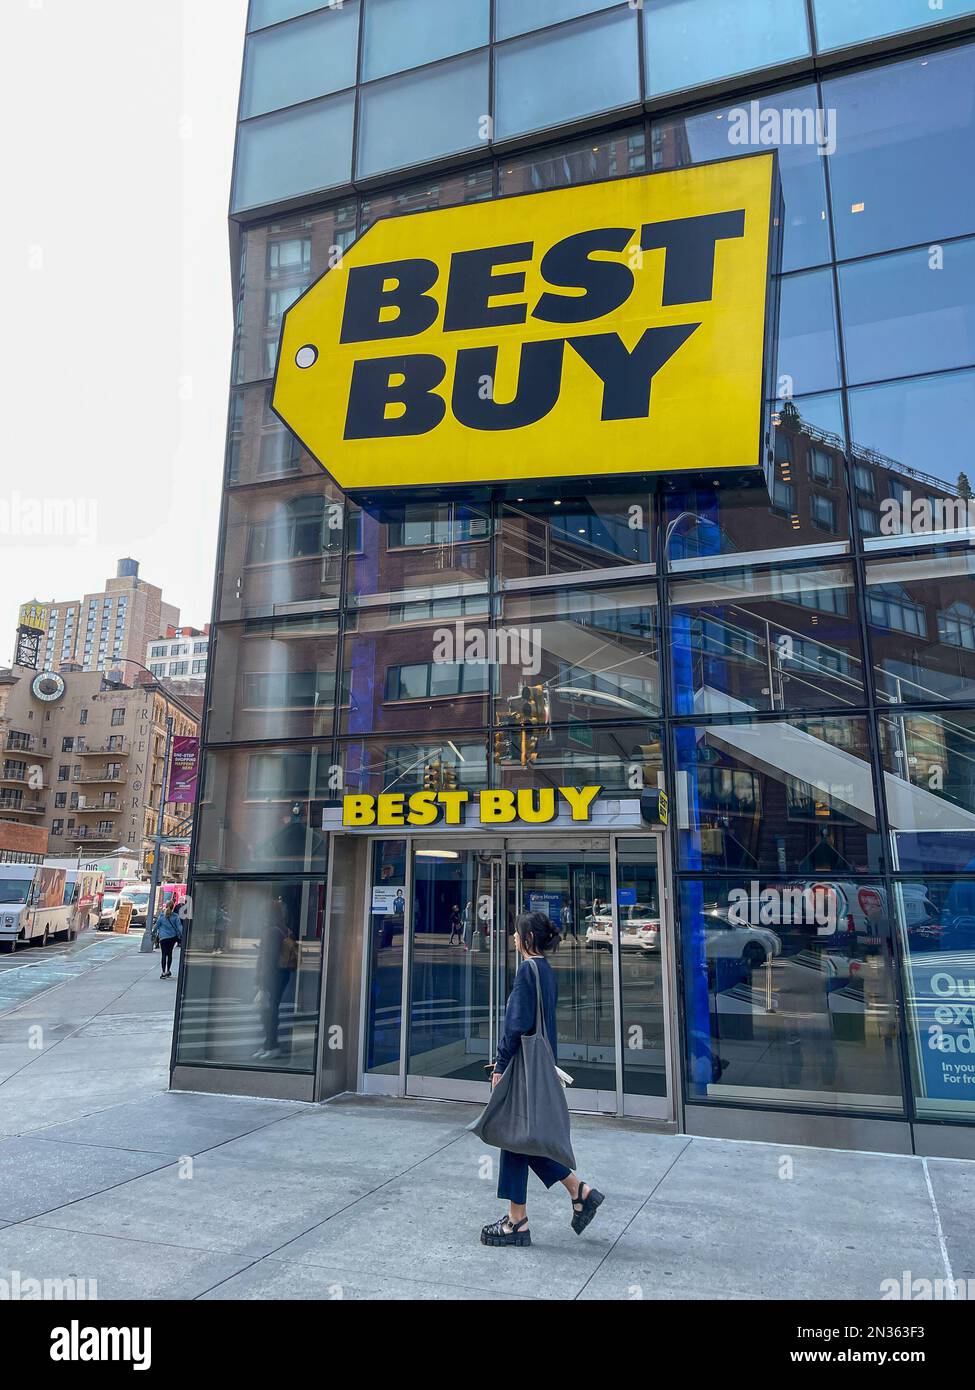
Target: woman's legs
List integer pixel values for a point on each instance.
(166, 947)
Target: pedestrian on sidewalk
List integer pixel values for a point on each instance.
(167, 931)
(534, 935)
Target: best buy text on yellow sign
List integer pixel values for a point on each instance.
(534, 806)
(612, 328)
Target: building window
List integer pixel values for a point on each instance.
(118, 716)
(431, 681)
(178, 668)
(64, 772)
(158, 668)
(821, 465)
(864, 480)
(57, 828)
(158, 651)
(290, 256)
(869, 521)
(105, 827)
(890, 606)
(67, 744)
(199, 668)
(823, 512)
(956, 626)
(783, 497)
(60, 799)
(200, 646)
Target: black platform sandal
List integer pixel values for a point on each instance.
(504, 1232)
(584, 1208)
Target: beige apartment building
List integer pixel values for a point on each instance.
(82, 756)
(108, 630)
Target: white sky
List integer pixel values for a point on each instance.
(118, 120)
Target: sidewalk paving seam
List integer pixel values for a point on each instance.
(940, 1230)
(649, 1197)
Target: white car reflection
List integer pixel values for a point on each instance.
(640, 927)
(725, 941)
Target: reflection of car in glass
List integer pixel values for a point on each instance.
(724, 940)
(639, 928)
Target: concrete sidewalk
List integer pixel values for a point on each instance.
(104, 1175)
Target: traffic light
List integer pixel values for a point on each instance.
(448, 777)
(502, 745)
(432, 775)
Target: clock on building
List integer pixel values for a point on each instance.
(47, 686)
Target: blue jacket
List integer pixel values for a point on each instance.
(167, 927)
(519, 1016)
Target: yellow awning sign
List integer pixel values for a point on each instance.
(606, 329)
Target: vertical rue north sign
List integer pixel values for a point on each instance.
(614, 328)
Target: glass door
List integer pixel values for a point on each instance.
(573, 887)
(456, 989)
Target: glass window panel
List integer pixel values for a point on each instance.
(789, 993)
(930, 781)
(264, 12)
(390, 661)
(573, 534)
(261, 810)
(808, 357)
(778, 640)
(936, 922)
(622, 760)
(562, 74)
(707, 523)
(252, 969)
(842, 22)
(411, 119)
(278, 262)
(282, 550)
(920, 640)
(785, 121)
(906, 131)
(909, 313)
(310, 58)
(690, 42)
(273, 680)
(643, 1018)
(584, 654)
(916, 435)
(405, 764)
(472, 186)
(519, 16)
(786, 796)
(430, 550)
(384, 1015)
(293, 152)
(400, 34)
(578, 161)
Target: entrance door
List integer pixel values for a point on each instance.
(455, 976)
(613, 965)
(573, 887)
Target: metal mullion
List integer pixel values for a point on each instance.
(617, 978)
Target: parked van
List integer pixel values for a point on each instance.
(32, 904)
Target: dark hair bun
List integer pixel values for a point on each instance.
(537, 932)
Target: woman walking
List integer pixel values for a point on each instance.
(169, 930)
(534, 935)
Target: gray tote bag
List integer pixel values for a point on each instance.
(527, 1112)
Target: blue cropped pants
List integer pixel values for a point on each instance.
(513, 1175)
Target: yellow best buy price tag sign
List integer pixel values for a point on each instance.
(613, 328)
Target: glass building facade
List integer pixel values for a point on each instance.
(794, 663)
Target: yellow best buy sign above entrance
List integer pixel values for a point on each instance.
(502, 807)
(613, 328)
